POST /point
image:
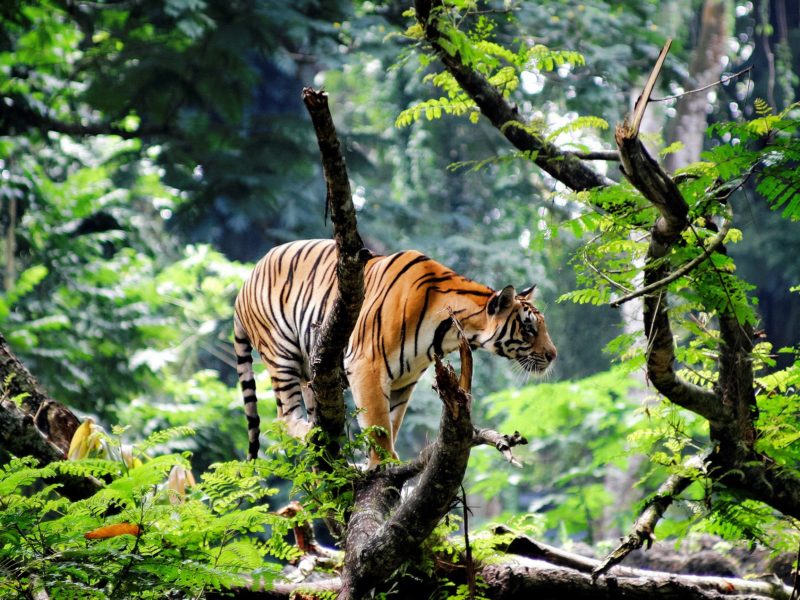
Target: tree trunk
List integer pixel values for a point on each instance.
(689, 124)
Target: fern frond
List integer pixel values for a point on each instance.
(587, 122)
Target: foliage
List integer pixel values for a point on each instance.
(577, 430)
(204, 141)
(186, 538)
(184, 80)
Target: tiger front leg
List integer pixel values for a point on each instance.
(371, 397)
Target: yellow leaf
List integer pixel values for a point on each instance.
(84, 440)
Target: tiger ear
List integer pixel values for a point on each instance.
(527, 293)
(502, 301)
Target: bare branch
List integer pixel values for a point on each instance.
(610, 155)
(567, 574)
(504, 443)
(705, 87)
(644, 99)
(528, 578)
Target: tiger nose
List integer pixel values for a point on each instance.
(550, 354)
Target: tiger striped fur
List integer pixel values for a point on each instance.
(403, 322)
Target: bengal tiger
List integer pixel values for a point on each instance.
(404, 321)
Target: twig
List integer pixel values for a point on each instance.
(600, 273)
(716, 242)
(705, 87)
(611, 155)
(503, 442)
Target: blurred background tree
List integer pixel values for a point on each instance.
(149, 150)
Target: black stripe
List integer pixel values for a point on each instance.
(438, 336)
(241, 340)
(240, 360)
(248, 384)
(250, 400)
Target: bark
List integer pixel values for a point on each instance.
(37, 425)
(327, 358)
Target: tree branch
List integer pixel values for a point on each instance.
(528, 578)
(327, 375)
(503, 443)
(644, 527)
(660, 190)
(17, 117)
(531, 569)
(680, 272)
(689, 586)
(731, 407)
(563, 166)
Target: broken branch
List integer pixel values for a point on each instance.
(504, 443)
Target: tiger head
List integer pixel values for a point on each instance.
(517, 330)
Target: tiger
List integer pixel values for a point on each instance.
(405, 320)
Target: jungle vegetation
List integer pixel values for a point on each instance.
(151, 151)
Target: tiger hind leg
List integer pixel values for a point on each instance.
(290, 393)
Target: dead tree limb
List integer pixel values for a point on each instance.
(529, 569)
(327, 357)
(382, 535)
(525, 578)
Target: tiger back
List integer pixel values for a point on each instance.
(404, 321)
